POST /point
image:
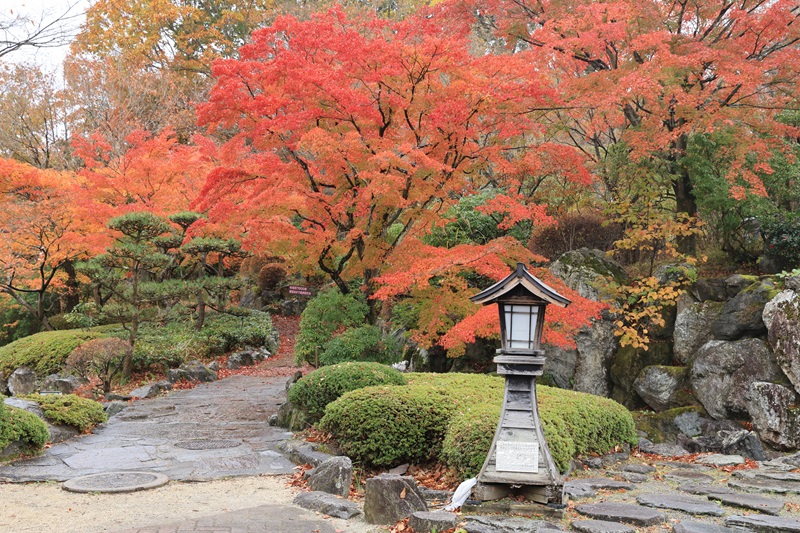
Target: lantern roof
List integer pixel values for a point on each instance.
(523, 281)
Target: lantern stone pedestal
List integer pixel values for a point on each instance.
(519, 461)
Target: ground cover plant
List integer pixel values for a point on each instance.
(45, 352)
(70, 410)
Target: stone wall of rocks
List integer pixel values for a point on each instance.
(729, 354)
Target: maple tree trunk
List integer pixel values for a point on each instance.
(684, 193)
(72, 298)
(373, 304)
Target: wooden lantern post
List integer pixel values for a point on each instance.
(519, 461)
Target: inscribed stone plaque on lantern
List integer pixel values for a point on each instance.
(517, 456)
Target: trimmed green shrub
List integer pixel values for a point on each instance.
(386, 426)
(313, 392)
(574, 424)
(20, 425)
(70, 410)
(44, 352)
(454, 416)
(330, 311)
(367, 343)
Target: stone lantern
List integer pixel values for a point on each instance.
(519, 462)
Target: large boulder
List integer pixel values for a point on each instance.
(63, 383)
(664, 387)
(784, 334)
(729, 442)
(742, 315)
(22, 381)
(389, 498)
(585, 368)
(628, 363)
(333, 476)
(693, 326)
(724, 370)
(580, 270)
(192, 371)
(776, 417)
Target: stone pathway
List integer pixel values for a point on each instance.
(215, 430)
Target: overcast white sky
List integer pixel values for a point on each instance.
(37, 10)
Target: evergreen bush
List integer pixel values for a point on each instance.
(330, 311)
(44, 352)
(367, 343)
(453, 417)
(319, 388)
(17, 425)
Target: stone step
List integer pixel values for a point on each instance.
(764, 523)
(750, 501)
(685, 475)
(626, 513)
(601, 526)
(679, 502)
(765, 485)
(699, 527)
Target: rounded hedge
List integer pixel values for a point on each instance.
(454, 417)
(44, 352)
(71, 410)
(316, 390)
(27, 429)
(386, 426)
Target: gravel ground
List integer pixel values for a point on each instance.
(44, 507)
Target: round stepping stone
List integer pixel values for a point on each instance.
(750, 501)
(638, 469)
(679, 502)
(116, 482)
(682, 475)
(621, 512)
(721, 460)
(601, 526)
(765, 485)
(699, 527)
(764, 523)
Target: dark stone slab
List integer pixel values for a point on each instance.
(685, 466)
(750, 501)
(638, 469)
(667, 450)
(633, 477)
(765, 524)
(432, 495)
(767, 474)
(679, 502)
(586, 488)
(425, 522)
(699, 527)
(505, 524)
(705, 489)
(601, 526)
(302, 453)
(327, 504)
(766, 485)
(116, 482)
(685, 475)
(621, 512)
